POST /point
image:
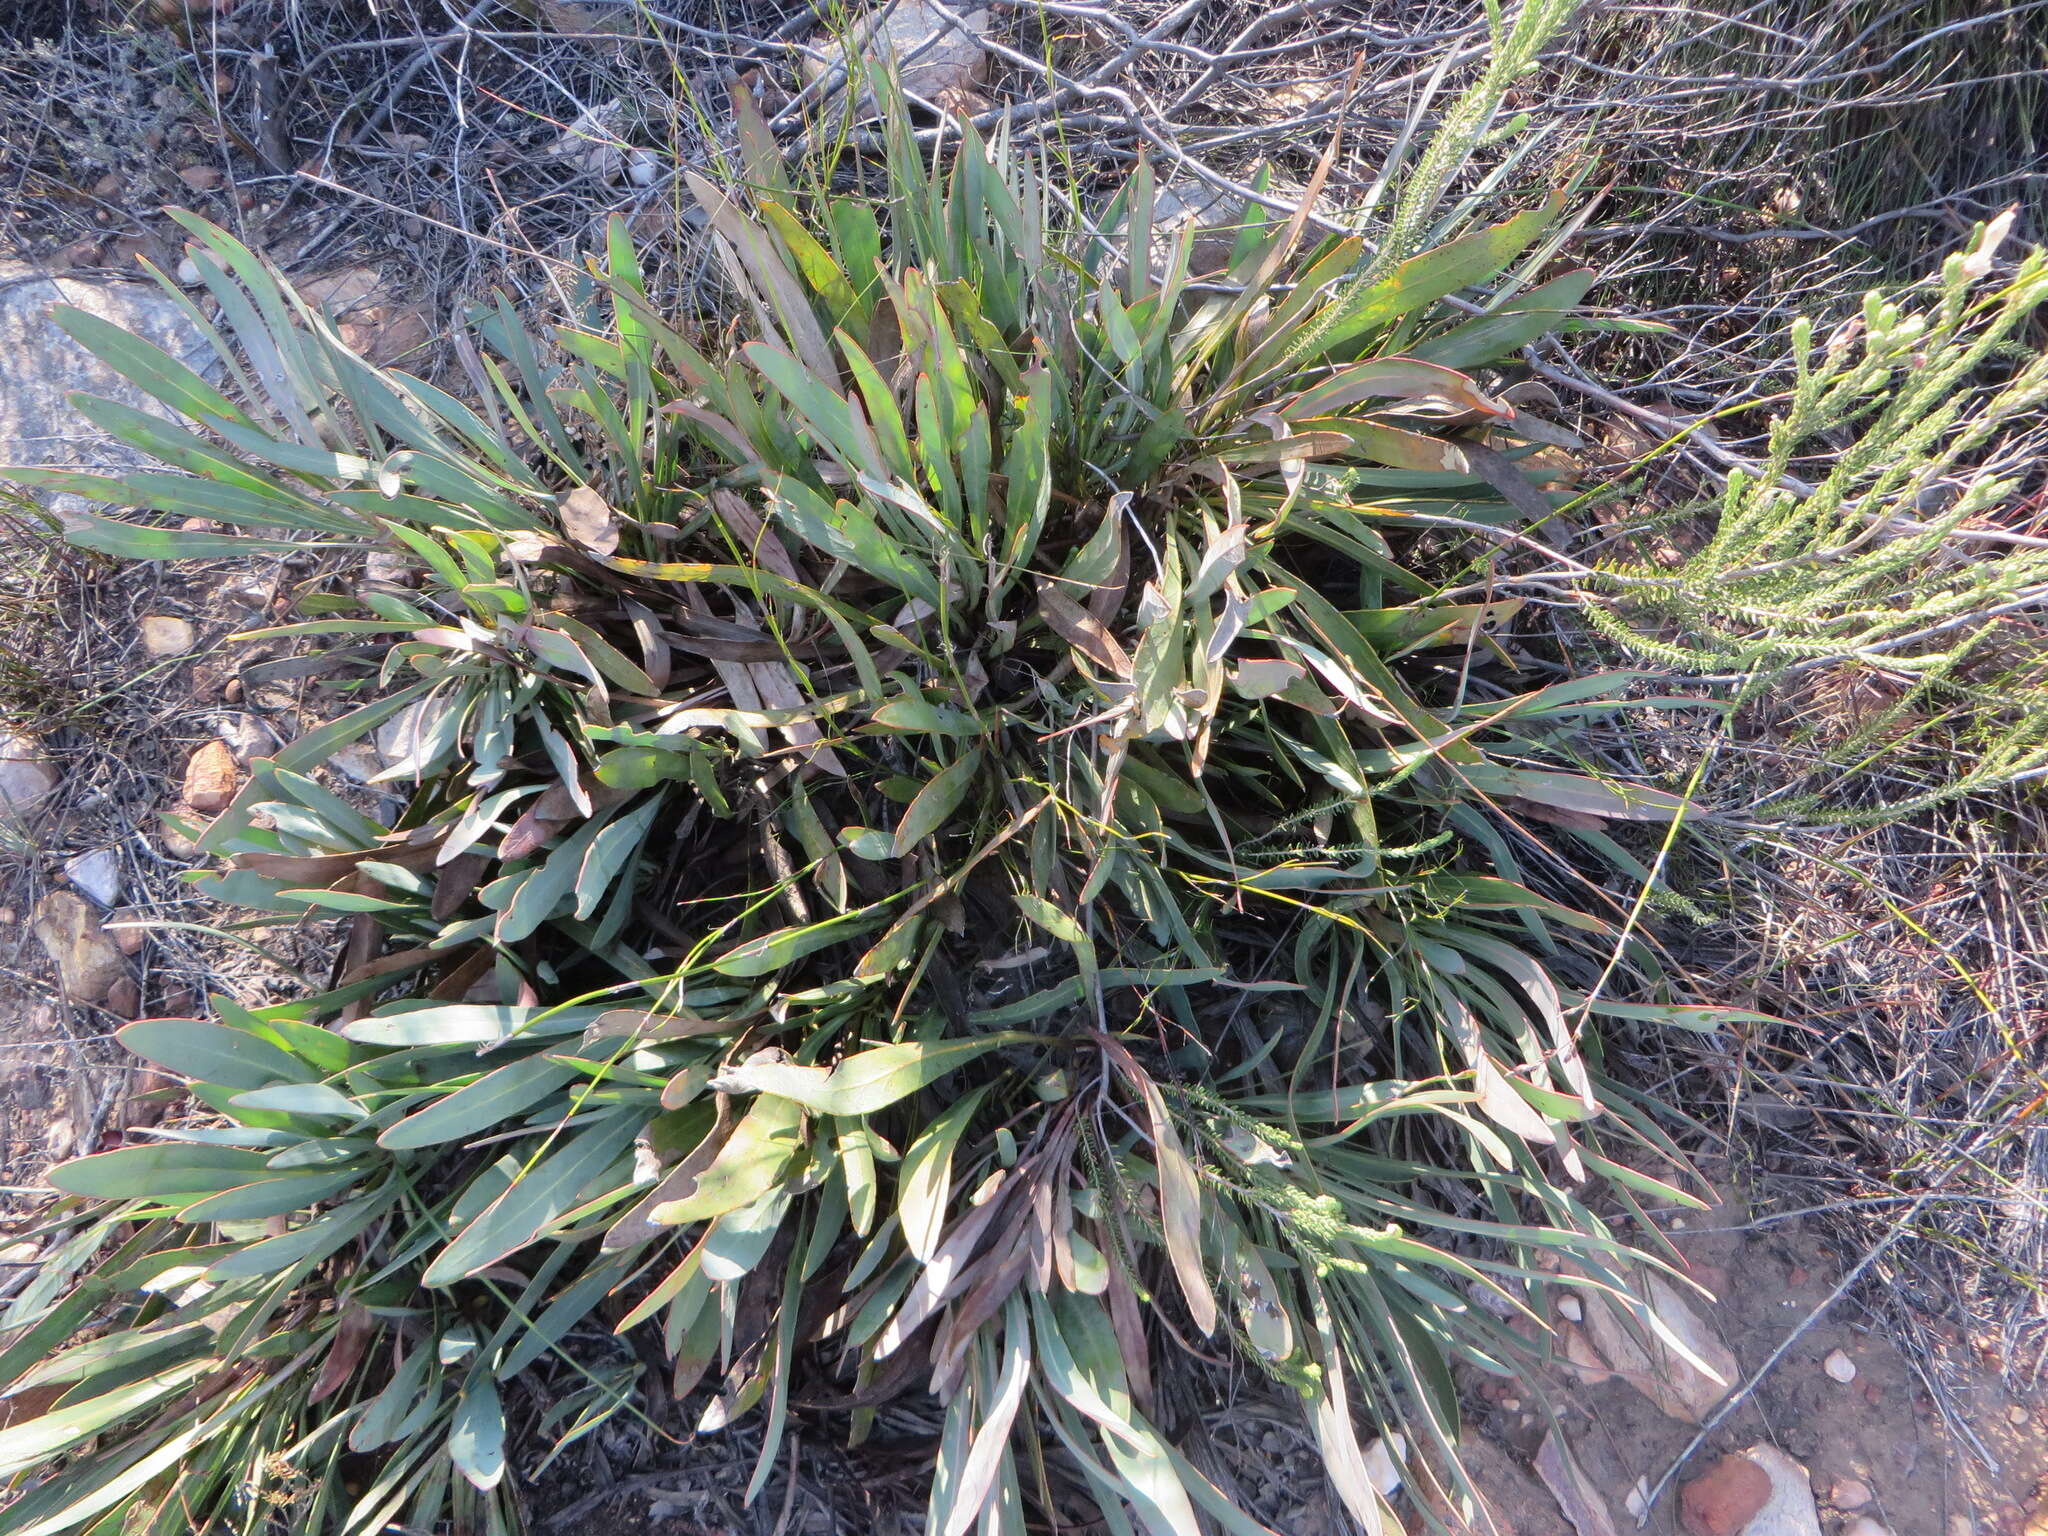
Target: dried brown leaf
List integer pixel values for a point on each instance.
(1081, 629)
(588, 520)
(1573, 1490)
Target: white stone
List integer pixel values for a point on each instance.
(98, 874)
(1840, 1367)
(1206, 217)
(1850, 1493)
(26, 776)
(42, 366)
(1790, 1509)
(1685, 1370)
(246, 736)
(358, 761)
(177, 844)
(1638, 1500)
(165, 634)
(942, 61)
(400, 737)
(1383, 1463)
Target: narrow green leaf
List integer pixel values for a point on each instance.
(785, 946)
(465, 1024)
(26, 1444)
(378, 1424)
(549, 886)
(1410, 288)
(476, 1435)
(757, 1154)
(212, 1053)
(926, 1178)
(609, 852)
(914, 715)
(864, 1082)
(937, 801)
(539, 1196)
(138, 541)
(147, 365)
(159, 1172)
(324, 1234)
(1508, 327)
(348, 901)
(1576, 792)
(301, 1099)
(279, 1195)
(493, 1100)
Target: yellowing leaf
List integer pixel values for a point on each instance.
(772, 951)
(748, 1165)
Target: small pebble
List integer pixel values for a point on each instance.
(177, 844)
(98, 874)
(129, 940)
(359, 762)
(165, 634)
(246, 737)
(1850, 1493)
(1839, 1366)
(1383, 1460)
(1638, 1500)
(211, 778)
(26, 776)
(251, 592)
(2017, 1415)
(1571, 1309)
(60, 1138)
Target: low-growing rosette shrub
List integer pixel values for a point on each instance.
(946, 846)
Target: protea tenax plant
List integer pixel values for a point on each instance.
(946, 848)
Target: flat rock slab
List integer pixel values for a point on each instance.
(40, 365)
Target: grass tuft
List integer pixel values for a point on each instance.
(949, 844)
